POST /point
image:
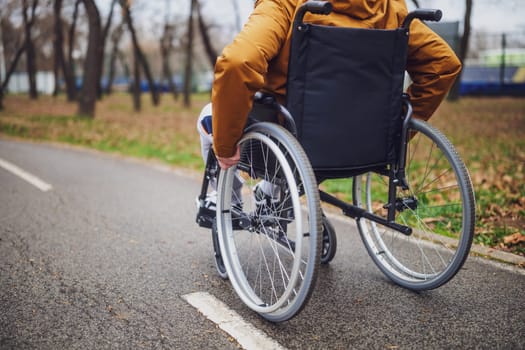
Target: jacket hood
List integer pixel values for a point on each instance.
(360, 9)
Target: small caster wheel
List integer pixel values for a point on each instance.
(329, 241)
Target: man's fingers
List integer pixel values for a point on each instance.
(224, 165)
(228, 162)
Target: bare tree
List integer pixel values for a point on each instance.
(166, 50)
(136, 81)
(203, 28)
(463, 49)
(116, 35)
(10, 68)
(465, 38)
(88, 93)
(116, 56)
(124, 63)
(58, 44)
(105, 32)
(69, 64)
(29, 20)
(140, 58)
(189, 57)
(64, 63)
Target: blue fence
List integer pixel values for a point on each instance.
(491, 81)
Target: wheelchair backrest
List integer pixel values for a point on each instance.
(344, 91)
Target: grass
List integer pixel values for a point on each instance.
(166, 132)
(489, 134)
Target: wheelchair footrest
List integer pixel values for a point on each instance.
(205, 217)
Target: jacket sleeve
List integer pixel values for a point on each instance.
(433, 68)
(240, 72)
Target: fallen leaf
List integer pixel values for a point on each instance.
(514, 238)
(507, 179)
(122, 316)
(432, 220)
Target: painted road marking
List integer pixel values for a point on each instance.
(32, 179)
(229, 321)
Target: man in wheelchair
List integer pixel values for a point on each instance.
(258, 59)
(339, 68)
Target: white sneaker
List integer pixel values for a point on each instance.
(262, 193)
(210, 202)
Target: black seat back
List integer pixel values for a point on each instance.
(344, 91)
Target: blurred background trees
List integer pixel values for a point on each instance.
(85, 49)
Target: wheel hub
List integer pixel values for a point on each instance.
(406, 203)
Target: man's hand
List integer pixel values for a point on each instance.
(228, 162)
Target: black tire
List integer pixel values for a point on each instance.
(329, 246)
(219, 263)
(439, 206)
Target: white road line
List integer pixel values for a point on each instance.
(32, 179)
(229, 321)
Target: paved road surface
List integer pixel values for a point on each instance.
(102, 259)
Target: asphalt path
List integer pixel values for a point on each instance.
(103, 258)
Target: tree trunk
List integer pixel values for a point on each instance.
(115, 40)
(210, 52)
(139, 54)
(88, 94)
(68, 68)
(60, 64)
(111, 72)
(30, 47)
(9, 72)
(122, 59)
(189, 58)
(11, 67)
(166, 48)
(105, 32)
(58, 45)
(463, 50)
(136, 82)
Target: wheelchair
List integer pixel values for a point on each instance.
(412, 198)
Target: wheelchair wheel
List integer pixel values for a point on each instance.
(329, 246)
(270, 248)
(439, 206)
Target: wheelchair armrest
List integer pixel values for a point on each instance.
(269, 100)
(424, 15)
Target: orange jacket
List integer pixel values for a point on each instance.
(257, 59)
